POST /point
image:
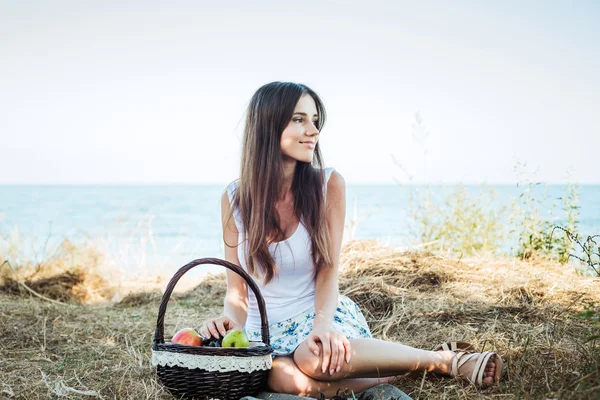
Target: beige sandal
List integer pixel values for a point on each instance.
(455, 346)
(479, 368)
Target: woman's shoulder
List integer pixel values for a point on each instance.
(230, 189)
(334, 181)
(328, 172)
(232, 185)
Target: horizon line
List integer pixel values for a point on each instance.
(357, 183)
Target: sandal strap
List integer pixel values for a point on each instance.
(482, 358)
(465, 358)
(455, 365)
(480, 367)
(454, 346)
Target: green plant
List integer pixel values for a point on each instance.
(571, 209)
(458, 222)
(534, 232)
(592, 314)
(589, 257)
(528, 224)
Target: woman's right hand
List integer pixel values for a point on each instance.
(218, 327)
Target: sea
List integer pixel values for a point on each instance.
(152, 229)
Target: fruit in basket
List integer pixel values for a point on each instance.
(235, 338)
(187, 336)
(211, 342)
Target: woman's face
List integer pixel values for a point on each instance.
(301, 128)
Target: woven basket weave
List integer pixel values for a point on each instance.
(227, 373)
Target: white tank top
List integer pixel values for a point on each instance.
(292, 291)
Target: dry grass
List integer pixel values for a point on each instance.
(525, 311)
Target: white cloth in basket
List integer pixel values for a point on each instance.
(213, 362)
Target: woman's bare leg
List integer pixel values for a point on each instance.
(379, 358)
(286, 377)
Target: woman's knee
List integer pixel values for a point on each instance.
(308, 363)
(286, 377)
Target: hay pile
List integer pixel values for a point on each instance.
(524, 311)
(73, 274)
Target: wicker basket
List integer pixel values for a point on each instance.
(202, 372)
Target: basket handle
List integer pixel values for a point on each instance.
(159, 333)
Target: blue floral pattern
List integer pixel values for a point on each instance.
(286, 335)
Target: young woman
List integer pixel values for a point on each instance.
(283, 221)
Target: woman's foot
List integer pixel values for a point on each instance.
(464, 364)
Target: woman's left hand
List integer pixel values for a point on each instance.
(336, 347)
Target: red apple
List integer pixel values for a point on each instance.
(187, 336)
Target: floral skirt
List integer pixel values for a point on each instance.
(286, 335)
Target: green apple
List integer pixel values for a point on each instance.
(235, 338)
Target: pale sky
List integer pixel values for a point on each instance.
(95, 92)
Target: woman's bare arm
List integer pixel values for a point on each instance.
(326, 285)
(235, 305)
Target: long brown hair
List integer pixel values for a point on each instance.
(261, 178)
